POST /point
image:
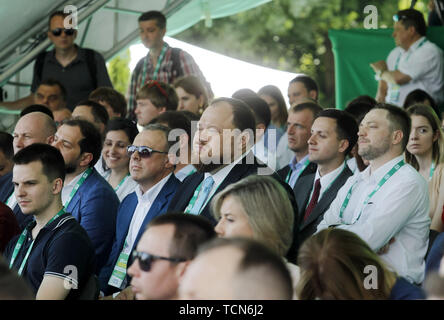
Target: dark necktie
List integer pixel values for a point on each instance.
(314, 199)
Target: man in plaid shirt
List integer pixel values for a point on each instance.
(162, 63)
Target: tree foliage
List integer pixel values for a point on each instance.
(119, 71)
(291, 35)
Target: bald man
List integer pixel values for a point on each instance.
(34, 127)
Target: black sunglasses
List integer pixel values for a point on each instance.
(144, 152)
(58, 31)
(146, 259)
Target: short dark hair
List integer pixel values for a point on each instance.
(164, 129)
(57, 13)
(98, 111)
(91, 142)
(160, 94)
(360, 106)
(346, 126)
(114, 98)
(51, 82)
(313, 107)
(419, 96)
(175, 120)
(256, 258)
(6, 144)
(126, 125)
(37, 108)
(258, 105)
(190, 232)
(190, 115)
(399, 120)
(308, 83)
(154, 15)
(413, 18)
(243, 117)
(50, 158)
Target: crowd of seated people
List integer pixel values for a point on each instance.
(186, 196)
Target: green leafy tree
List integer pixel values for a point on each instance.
(292, 35)
(119, 71)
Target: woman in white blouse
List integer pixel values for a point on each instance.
(119, 134)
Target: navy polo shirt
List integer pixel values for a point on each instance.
(61, 249)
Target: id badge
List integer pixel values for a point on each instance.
(119, 273)
(394, 94)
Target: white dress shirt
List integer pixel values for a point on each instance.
(424, 64)
(326, 180)
(399, 209)
(185, 172)
(67, 188)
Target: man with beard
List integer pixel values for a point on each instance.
(222, 155)
(86, 195)
(33, 127)
(151, 168)
(386, 204)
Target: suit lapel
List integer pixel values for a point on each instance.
(328, 197)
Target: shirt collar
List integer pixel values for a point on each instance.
(219, 176)
(152, 193)
(329, 177)
(416, 44)
(381, 171)
(296, 165)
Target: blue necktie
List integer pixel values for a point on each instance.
(207, 185)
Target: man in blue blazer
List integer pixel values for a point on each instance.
(33, 127)
(151, 168)
(86, 195)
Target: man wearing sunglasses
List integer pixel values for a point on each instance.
(79, 70)
(415, 63)
(151, 168)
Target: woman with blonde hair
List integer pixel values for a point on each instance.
(426, 154)
(257, 207)
(336, 264)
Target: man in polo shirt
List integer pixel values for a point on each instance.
(151, 168)
(86, 195)
(415, 63)
(53, 253)
(79, 70)
(300, 120)
(387, 204)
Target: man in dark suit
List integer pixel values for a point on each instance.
(333, 135)
(300, 120)
(33, 127)
(221, 153)
(86, 195)
(151, 168)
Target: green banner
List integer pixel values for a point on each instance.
(354, 50)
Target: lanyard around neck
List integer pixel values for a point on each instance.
(196, 195)
(410, 53)
(287, 179)
(84, 176)
(384, 179)
(159, 62)
(121, 182)
(432, 170)
(20, 241)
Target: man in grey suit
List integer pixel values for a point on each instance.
(333, 135)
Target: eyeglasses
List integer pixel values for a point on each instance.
(144, 152)
(58, 31)
(397, 18)
(146, 259)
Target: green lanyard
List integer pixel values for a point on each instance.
(159, 62)
(77, 186)
(387, 176)
(194, 198)
(20, 243)
(432, 170)
(9, 199)
(121, 182)
(287, 179)
(407, 59)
